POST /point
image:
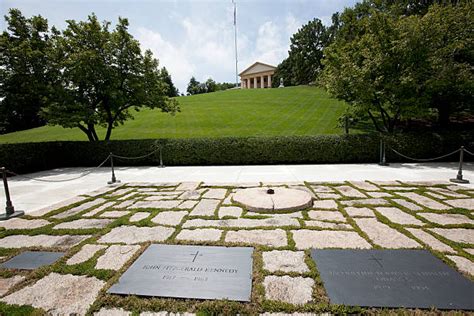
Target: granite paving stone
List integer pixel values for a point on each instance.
(205, 207)
(322, 189)
(462, 235)
(325, 204)
(462, 203)
(187, 205)
(362, 202)
(284, 260)
(448, 193)
(116, 256)
(127, 196)
(399, 189)
(215, 194)
(59, 294)
(192, 195)
(7, 283)
(23, 241)
(430, 240)
(138, 216)
(87, 251)
(188, 186)
(328, 196)
(424, 201)
(386, 183)
(168, 204)
(125, 204)
(233, 211)
(20, 223)
(293, 290)
(171, 218)
(447, 218)
(84, 223)
(306, 239)
(327, 216)
(408, 205)
(272, 238)
(57, 206)
(469, 250)
(350, 191)
(397, 216)
(243, 222)
(379, 194)
(463, 264)
(112, 312)
(336, 226)
(383, 235)
(114, 214)
(365, 186)
(121, 192)
(79, 209)
(359, 211)
(203, 234)
(435, 195)
(135, 235)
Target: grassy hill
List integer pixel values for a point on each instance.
(261, 112)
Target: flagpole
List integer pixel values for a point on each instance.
(235, 43)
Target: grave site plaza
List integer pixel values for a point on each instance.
(255, 248)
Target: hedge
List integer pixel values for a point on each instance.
(362, 148)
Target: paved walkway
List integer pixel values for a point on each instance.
(31, 195)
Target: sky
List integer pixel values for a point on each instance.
(196, 37)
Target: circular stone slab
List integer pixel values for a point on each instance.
(258, 200)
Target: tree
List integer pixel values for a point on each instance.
(170, 90)
(193, 86)
(211, 86)
(24, 71)
(284, 70)
(306, 52)
(100, 76)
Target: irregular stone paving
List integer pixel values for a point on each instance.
(138, 216)
(191, 195)
(328, 196)
(325, 204)
(187, 205)
(168, 204)
(24, 241)
(322, 189)
(84, 224)
(320, 239)
(272, 238)
(379, 194)
(424, 201)
(447, 219)
(243, 222)
(463, 264)
(285, 260)
(293, 290)
(188, 186)
(87, 252)
(125, 204)
(384, 235)
(350, 192)
(408, 205)
(59, 294)
(169, 218)
(365, 186)
(112, 312)
(78, 209)
(205, 207)
(430, 240)
(135, 235)
(326, 216)
(204, 234)
(449, 193)
(98, 209)
(215, 194)
(7, 283)
(397, 216)
(57, 206)
(365, 202)
(116, 256)
(462, 235)
(359, 212)
(20, 223)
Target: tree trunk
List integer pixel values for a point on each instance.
(87, 132)
(109, 130)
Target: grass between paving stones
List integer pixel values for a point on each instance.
(258, 302)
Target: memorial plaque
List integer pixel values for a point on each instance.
(30, 260)
(392, 278)
(189, 272)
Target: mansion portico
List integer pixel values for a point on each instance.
(258, 75)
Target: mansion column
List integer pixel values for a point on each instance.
(262, 83)
(254, 82)
(269, 81)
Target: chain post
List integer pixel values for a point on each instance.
(383, 161)
(9, 209)
(114, 179)
(161, 159)
(459, 177)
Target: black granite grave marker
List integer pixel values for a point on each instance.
(189, 272)
(30, 260)
(392, 278)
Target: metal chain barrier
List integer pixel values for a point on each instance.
(472, 154)
(427, 159)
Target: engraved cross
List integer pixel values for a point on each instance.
(195, 255)
(378, 260)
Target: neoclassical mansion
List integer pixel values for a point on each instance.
(258, 75)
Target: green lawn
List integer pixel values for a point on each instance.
(261, 112)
